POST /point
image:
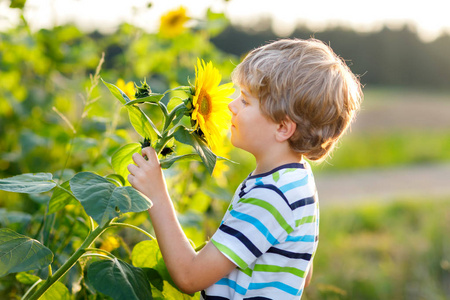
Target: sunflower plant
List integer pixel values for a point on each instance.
(199, 120)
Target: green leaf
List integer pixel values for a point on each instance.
(154, 277)
(147, 254)
(61, 197)
(117, 179)
(9, 217)
(17, 4)
(56, 291)
(119, 280)
(103, 200)
(168, 162)
(151, 99)
(118, 93)
(184, 136)
(28, 183)
(122, 158)
(26, 278)
(142, 123)
(171, 292)
(20, 253)
(216, 22)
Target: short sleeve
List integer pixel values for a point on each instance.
(257, 222)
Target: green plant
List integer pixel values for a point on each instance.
(105, 199)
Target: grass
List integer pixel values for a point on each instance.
(384, 251)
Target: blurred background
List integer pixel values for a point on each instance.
(384, 191)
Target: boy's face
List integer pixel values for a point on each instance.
(250, 129)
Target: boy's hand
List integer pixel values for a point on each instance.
(147, 176)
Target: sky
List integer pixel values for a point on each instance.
(429, 18)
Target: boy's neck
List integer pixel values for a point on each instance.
(267, 164)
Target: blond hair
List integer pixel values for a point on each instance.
(306, 82)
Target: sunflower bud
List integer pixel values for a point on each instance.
(146, 143)
(167, 151)
(143, 91)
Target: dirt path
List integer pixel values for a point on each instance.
(384, 184)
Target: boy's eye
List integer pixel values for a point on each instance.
(244, 102)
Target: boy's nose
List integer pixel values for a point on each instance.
(232, 107)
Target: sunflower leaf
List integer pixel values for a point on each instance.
(184, 136)
(118, 93)
(61, 197)
(142, 123)
(28, 183)
(122, 158)
(20, 253)
(168, 162)
(119, 280)
(151, 99)
(103, 200)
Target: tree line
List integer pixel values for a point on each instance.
(389, 57)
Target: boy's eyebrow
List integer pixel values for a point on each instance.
(245, 93)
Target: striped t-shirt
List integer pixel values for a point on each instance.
(270, 232)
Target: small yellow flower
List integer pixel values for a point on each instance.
(127, 88)
(172, 23)
(210, 101)
(110, 243)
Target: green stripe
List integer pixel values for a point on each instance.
(290, 170)
(271, 209)
(247, 272)
(308, 219)
(225, 250)
(277, 269)
(276, 176)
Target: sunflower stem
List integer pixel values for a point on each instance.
(70, 262)
(171, 116)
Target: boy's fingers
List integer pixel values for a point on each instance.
(149, 152)
(130, 178)
(132, 168)
(138, 159)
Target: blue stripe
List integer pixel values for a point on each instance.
(257, 298)
(244, 240)
(232, 284)
(259, 181)
(294, 184)
(303, 202)
(275, 284)
(289, 254)
(301, 238)
(257, 223)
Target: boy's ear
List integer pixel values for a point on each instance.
(285, 130)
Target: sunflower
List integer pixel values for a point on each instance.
(210, 102)
(127, 88)
(172, 23)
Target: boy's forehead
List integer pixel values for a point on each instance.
(244, 90)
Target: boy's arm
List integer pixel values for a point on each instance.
(308, 276)
(190, 271)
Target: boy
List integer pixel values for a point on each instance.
(297, 98)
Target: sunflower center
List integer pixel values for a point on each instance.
(205, 104)
(175, 20)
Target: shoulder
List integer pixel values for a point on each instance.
(290, 182)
